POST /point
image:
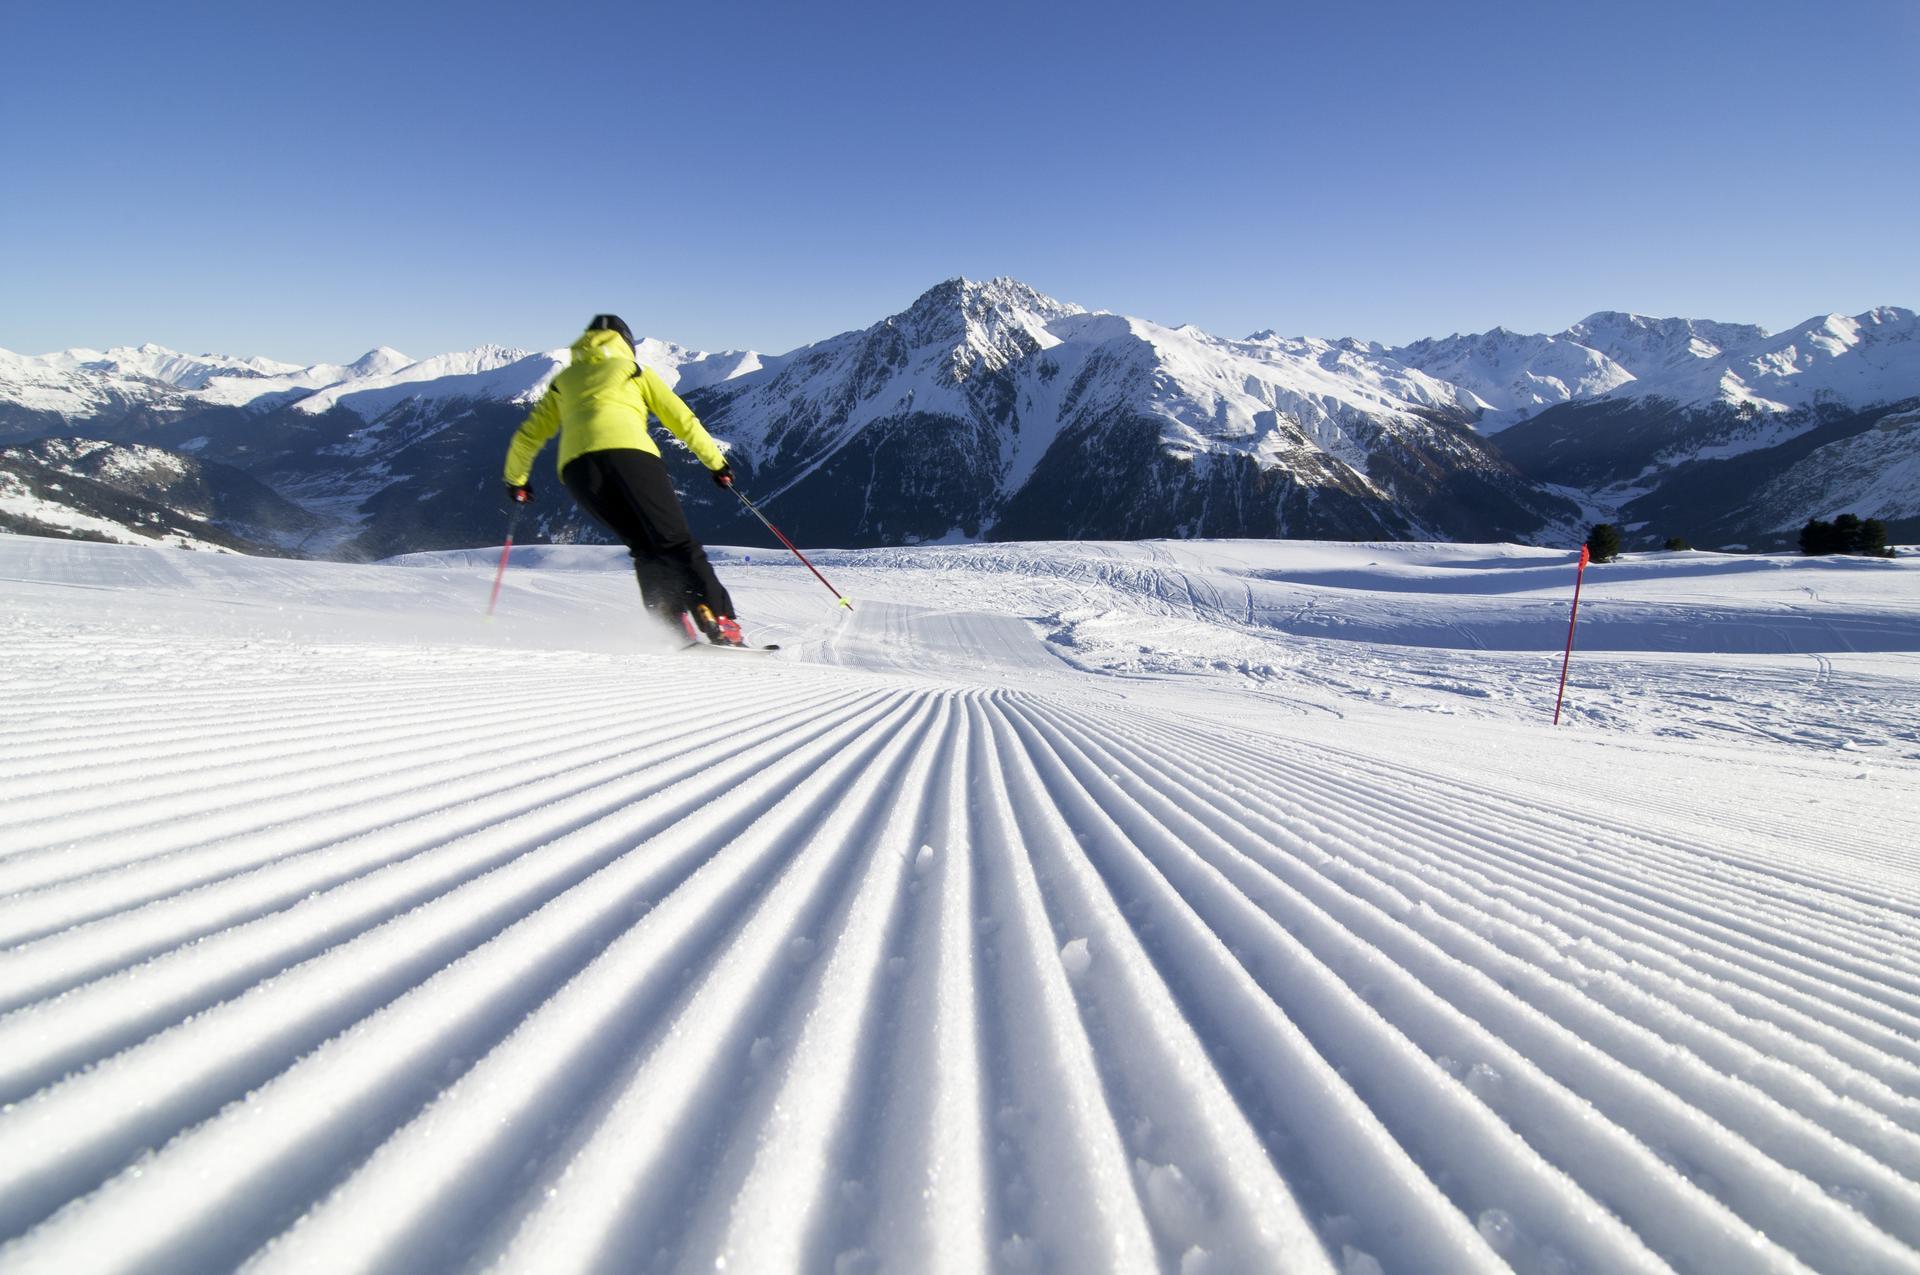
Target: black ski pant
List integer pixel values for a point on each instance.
(627, 491)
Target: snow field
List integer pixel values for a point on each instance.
(918, 946)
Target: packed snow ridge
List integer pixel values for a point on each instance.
(1168, 906)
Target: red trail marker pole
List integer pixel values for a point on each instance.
(1580, 575)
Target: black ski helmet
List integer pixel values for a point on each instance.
(612, 323)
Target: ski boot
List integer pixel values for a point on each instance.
(721, 630)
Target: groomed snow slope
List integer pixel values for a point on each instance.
(1193, 907)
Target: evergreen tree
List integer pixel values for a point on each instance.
(1603, 542)
(1676, 543)
(1816, 538)
(1845, 534)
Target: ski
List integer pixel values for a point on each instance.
(695, 642)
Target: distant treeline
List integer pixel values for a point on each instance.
(1845, 534)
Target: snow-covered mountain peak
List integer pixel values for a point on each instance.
(485, 371)
(379, 361)
(1830, 335)
(1347, 344)
(1895, 319)
(1608, 320)
(1514, 375)
(482, 358)
(1830, 360)
(1648, 346)
(950, 300)
(154, 362)
(79, 383)
(685, 369)
(981, 326)
(1008, 295)
(1835, 334)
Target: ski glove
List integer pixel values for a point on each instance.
(520, 493)
(723, 477)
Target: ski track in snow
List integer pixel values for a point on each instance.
(336, 957)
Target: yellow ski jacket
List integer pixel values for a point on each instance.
(598, 403)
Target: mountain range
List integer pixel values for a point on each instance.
(992, 411)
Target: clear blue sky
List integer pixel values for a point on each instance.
(306, 181)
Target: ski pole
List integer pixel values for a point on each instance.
(1585, 557)
(755, 510)
(513, 522)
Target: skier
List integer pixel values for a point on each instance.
(599, 404)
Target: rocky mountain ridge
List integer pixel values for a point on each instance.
(992, 411)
